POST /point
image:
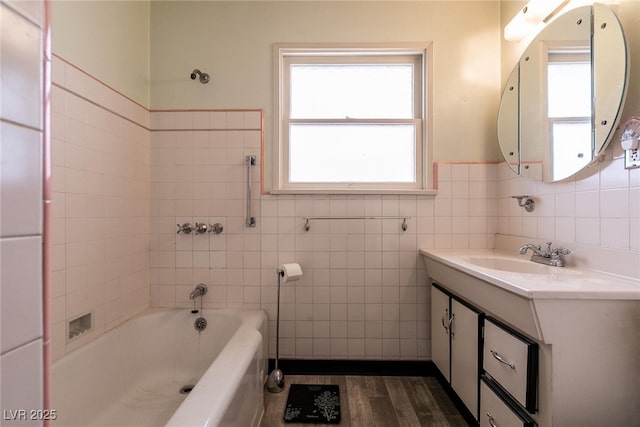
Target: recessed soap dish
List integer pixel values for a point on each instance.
(79, 326)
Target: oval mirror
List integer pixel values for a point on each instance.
(561, 103)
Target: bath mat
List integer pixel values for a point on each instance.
(313, 403)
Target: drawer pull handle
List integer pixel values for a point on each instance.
(502, 359)
(492, 421)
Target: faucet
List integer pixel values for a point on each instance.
(551, 256)
(199, 291)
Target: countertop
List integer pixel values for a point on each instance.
(542, 282)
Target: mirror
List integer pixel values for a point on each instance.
(562, 102)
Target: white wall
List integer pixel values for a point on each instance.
(109, 39)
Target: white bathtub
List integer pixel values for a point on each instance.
(132, 375)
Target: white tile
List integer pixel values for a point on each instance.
(218, 120)
(565, 205)
(22, 382)
(21, 290)
(634, 177)
(21, 90)
(634, 202)
(614, 203)
(588, 204)
(614, 233)
(565, 229)
(20, 181)
(235, 120)
(460, 172)
(252, 120)
(614, 175)
(444, 173)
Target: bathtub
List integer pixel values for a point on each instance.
(133, 374)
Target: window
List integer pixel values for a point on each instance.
(569, 108)
(350, 119)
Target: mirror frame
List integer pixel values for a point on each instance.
(608, 93)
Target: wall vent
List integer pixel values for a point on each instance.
(80, 326)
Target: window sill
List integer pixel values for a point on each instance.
(431, 193)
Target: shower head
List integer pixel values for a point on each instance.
(204, 77)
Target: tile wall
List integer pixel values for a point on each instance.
(362, 295)
(599, 208)
(100, 214)
(23, 28)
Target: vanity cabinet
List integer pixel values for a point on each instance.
(581, 326)
(456, 342)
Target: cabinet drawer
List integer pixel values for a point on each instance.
(512, 360)
(500, 411)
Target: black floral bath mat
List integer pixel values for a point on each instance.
(313, 403)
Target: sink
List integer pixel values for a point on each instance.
(511, 265)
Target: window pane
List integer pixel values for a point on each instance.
(352, 153)
(569, 89)
(571, 142)
(355, 91)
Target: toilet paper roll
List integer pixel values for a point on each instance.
(291, 272)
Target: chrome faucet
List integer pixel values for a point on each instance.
(199, 291)
(550, 256)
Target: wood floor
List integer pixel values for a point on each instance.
(373, 401)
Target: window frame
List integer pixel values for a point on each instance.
(287, 54)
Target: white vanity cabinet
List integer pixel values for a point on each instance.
(455, 331)
(565, 341)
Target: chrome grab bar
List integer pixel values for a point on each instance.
(250, 161)
(501, 359)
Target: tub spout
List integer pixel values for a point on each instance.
(199, 291)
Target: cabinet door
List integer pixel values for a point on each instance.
(440, 315)
(465, 336)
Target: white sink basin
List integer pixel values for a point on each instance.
(514, 265)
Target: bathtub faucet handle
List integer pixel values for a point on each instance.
(185, 228)
(199, 291)
(202, 228)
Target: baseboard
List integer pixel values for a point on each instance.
(405, 368)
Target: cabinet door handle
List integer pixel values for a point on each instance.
(501, 359)
(446, 314)
(453, 316)
(492, 421)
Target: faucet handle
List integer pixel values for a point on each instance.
(185, 228)
(201, 228)
(561, 251)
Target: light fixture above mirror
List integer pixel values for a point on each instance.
(530, 16)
